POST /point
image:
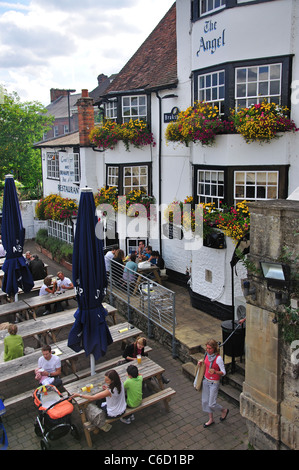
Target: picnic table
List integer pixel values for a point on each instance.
(13, 308)
(44, 327)
(34, 303)
(21, 366)
(147, 369)
(36, 287)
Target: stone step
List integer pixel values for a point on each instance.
(231, 386)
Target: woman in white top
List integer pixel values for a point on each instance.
(113, 392)
(46, 288)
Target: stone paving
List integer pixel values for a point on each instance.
(181, 429)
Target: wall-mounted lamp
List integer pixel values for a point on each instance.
(247, 291)
(276, 274)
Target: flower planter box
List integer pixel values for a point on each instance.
(62, 261)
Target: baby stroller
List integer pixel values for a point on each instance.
(54, 415)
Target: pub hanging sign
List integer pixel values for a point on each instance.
(172, 116)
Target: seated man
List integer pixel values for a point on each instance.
(49, 367)
(63, 283)
(37, 268)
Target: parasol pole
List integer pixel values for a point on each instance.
(92, 365)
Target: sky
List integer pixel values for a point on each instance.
(66, 44)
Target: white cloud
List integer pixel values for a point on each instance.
(67, 43)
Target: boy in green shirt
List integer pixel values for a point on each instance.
(133, 388)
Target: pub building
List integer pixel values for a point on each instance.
(231, 54)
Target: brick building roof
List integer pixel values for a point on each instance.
(154, 64)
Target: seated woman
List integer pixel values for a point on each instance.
(13, 344)
(114, 394)
(133, 266)
(134, 349)
(48, 288)
(137, 349)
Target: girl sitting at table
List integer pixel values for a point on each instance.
(114, 394)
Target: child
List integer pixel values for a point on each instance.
(133, 387)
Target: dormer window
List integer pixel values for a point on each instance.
(134, 107)
(111, 110)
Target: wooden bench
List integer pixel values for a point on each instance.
(16, 368)
(81, 374)
(165, 394)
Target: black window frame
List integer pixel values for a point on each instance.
(121, 167)
(195, 8)
(118, 100)
(283, 178)
(229, 70)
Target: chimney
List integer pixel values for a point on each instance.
(56, 93)
(85, 118)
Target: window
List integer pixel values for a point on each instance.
(210, 186)
(112, 176)
(56, 131)
(53, 165)
(134, 107)
(241, 84)
(135, 177)
(111, 110)
(129, 177)
(256, 84)
(65, 129)
(77, 175)
(211, 88)
(207, 6)
(254, 185)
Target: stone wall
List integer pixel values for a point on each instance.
(270, 399)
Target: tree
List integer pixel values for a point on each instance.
(21, 125)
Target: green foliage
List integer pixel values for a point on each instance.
(56, 247)
(21, 125)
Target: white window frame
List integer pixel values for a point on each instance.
(247, 97)
(209, 6)
(111, 110)
(56, 131)
(53, 165)
(133, 181)
(210, 188)
(210, 91)
(112, 176)
(258, 181)
(134, 107)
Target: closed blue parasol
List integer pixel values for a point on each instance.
(90, 331)
(16, 271)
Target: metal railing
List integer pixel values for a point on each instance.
(147, 297)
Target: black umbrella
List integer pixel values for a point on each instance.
(16, 271)
(90, 331)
